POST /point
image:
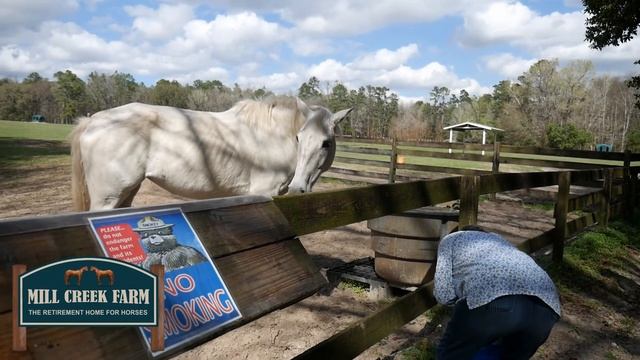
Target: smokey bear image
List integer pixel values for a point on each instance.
(163, 247)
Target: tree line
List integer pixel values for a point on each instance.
(548, 105)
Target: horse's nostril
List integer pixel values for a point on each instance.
(302, 191)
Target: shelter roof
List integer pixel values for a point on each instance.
(468, 125)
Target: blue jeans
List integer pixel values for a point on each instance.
(521, 322)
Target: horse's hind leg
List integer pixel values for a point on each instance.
(129, 198)
(112, 189)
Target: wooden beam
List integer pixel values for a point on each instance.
(562, 205)
(442, 169)
(605, 210)
(371, 174)
(585, 202)
(317, 211)
(586, 154)
(348, 343)
(349, 160)
(469, 200)
(550, 163)
(495, 162)
(444, 155)
(393, 162)
(19, 333)
(157, 332)
(362, 150)
(628, 206)
(361, 140)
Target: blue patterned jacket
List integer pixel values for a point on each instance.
(480, 267)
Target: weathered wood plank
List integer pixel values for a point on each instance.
(393, 163)
(348, 139)
(269, 277)
(585, 202)
(360, 173)
(560, 215)
(587, 154)
(362, 150)
(446, 145)
(494, 183)
(444, 155)
(348, 343)
(317, 211)
(19, 333)
(442, 169)
(469, 200)
(546, 238)
(348, 160)
(51, 222)
(550, 163)
(605, 201)
(63, 342)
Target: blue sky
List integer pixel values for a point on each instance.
(407, 45)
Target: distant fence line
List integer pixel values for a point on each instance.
(497, 153)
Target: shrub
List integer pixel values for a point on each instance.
(568, 137)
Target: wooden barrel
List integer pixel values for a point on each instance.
(406, 244)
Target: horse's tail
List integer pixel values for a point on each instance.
(79, 191)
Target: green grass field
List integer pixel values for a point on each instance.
(25, 143)
(34, 131)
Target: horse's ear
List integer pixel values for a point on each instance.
(303, 107)
(337, 117)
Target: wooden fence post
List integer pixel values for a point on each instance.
(19, 340)
(562, 205)
(393, 161)
(157, 332)
(468, 200)
(495, 167)
(605, 211)
(627, 187)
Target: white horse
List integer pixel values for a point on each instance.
(271, 147)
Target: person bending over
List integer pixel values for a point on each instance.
(499, 293)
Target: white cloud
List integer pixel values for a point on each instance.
(237, 37)
(518, 25)
(401, 78)
(159, 24)
(18, 14)
(554, 35)
(508, 65)
(350, 17)
(280, 82)
(386, 59)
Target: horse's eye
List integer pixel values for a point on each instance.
(326, 143)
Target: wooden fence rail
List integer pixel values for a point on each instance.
(397, 156)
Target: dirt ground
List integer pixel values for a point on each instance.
(44, 188)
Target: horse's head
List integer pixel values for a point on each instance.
(93, 268)
(84, 268)
(316, 145)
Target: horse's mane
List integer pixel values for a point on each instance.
(272, 113)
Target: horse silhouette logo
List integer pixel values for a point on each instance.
(74, 273)
(101, 274)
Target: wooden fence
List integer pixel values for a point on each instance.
(317, 211)
(395, 154)
(222, 224)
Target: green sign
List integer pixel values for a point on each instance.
(88, 291)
